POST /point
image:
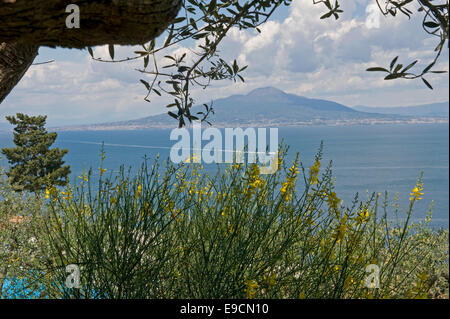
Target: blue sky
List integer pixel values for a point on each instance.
(296, 52)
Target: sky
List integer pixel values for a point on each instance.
(296, 52)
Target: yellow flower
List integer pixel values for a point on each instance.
(363, 216)
(333, 202)
(294, 169)
(288, 187)
(195, 158)
(50, 191)
(138, 192)
(340, 230)
(253, 180)
(416, 192)
(67, 194)
(83, 177)
(349, 281)
(102, 171)
(250, 291)
(314, 173)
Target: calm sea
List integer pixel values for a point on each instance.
(365, 158)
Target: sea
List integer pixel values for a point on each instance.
(365, 158)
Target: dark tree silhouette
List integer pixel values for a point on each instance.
(34, 166)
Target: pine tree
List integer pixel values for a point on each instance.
(34, 166)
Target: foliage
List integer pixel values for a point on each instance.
(208, 22)
(18, 246)
(33, 164)
(435, 22)
(182, 233)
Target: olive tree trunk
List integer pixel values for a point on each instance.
(25, 25)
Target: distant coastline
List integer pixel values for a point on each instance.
(271, 107)
(171, 124)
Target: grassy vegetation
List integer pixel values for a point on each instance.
(177, 232)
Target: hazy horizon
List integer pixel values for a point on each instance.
(296, 51)
(3, 120)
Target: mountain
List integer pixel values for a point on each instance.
(265, 107)
(432, 110)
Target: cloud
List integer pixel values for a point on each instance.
(300, 53)
(83, 91)
(374, 16)
(328, 58)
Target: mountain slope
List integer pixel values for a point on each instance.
(265, 107)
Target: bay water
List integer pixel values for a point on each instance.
(371, 158)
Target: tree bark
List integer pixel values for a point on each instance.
(15, 59)
(25, 25)
(126, 22)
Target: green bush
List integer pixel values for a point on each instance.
(178, 232)
(19, 251)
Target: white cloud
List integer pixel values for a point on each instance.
(328, 58)
(374, 16)
(301, 54)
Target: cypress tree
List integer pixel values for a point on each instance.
(34, 166)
